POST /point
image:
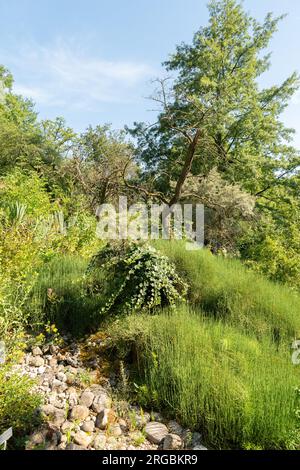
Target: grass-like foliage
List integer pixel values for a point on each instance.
(225, 289)
(134, 277)
(60, 296)
(236, 390)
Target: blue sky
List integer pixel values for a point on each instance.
(93, 61)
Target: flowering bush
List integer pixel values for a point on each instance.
(133, 277)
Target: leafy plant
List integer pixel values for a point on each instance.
(135, 277)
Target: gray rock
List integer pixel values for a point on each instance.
(115, 430)
(53, 349)
(87, 399)
(61, 376)
(58, 417)
(88, 426)
(79, 412)
(172, 442)
(37, 438)
(82, 439)
(37, 351)
(73, 446)
(200, 447)
(156, 432)
(102, 419)
(47, 409)
(36, 361)
(99, 442)
(123, 425)
(196, 439)
(71, 361)
(52, 362)
(100, 402)
(73, 399)
(175, 428)
(112, 442)
(66, 427)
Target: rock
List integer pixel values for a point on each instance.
(37, 351)
(156, 432)
(52, 362)
(102, 419)
(172, 442)
(47, 409)
(58, 417)
(37, 438)
(88, 426)
(87, 399)
(73, 399)
(175, 428)
(53, 349)
(115, 430)
(112, 442)
(200, 447)
(79, 412)
(73, 446)
(196, 439)
(100, 402)
(66, 427)
(71, 378)
(123, 425)
(141, 419)
(71, 361)
(60, 357)
(59, 404)
(71, 370)
(45, 348)
(61, 377)
(36, 361)
(99, 442)
(83, 439)
(57, 384)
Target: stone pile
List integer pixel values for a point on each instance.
(79, 413)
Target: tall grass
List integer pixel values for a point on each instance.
(225, 289)
(60, 296)
(237, 391)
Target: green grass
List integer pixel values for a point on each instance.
(225, 289)
(60, 296)
(239, 392)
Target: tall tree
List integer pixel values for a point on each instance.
(215, 115)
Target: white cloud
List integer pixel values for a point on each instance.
(66, 75)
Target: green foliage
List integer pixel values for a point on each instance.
(59, 296)
(135, 277)
(237, 391)
(217, 104)
(28, 190)
(225, 289)
(18, 402)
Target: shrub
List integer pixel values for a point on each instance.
(134, 277)
(18, 403)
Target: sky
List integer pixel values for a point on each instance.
(94, 61)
